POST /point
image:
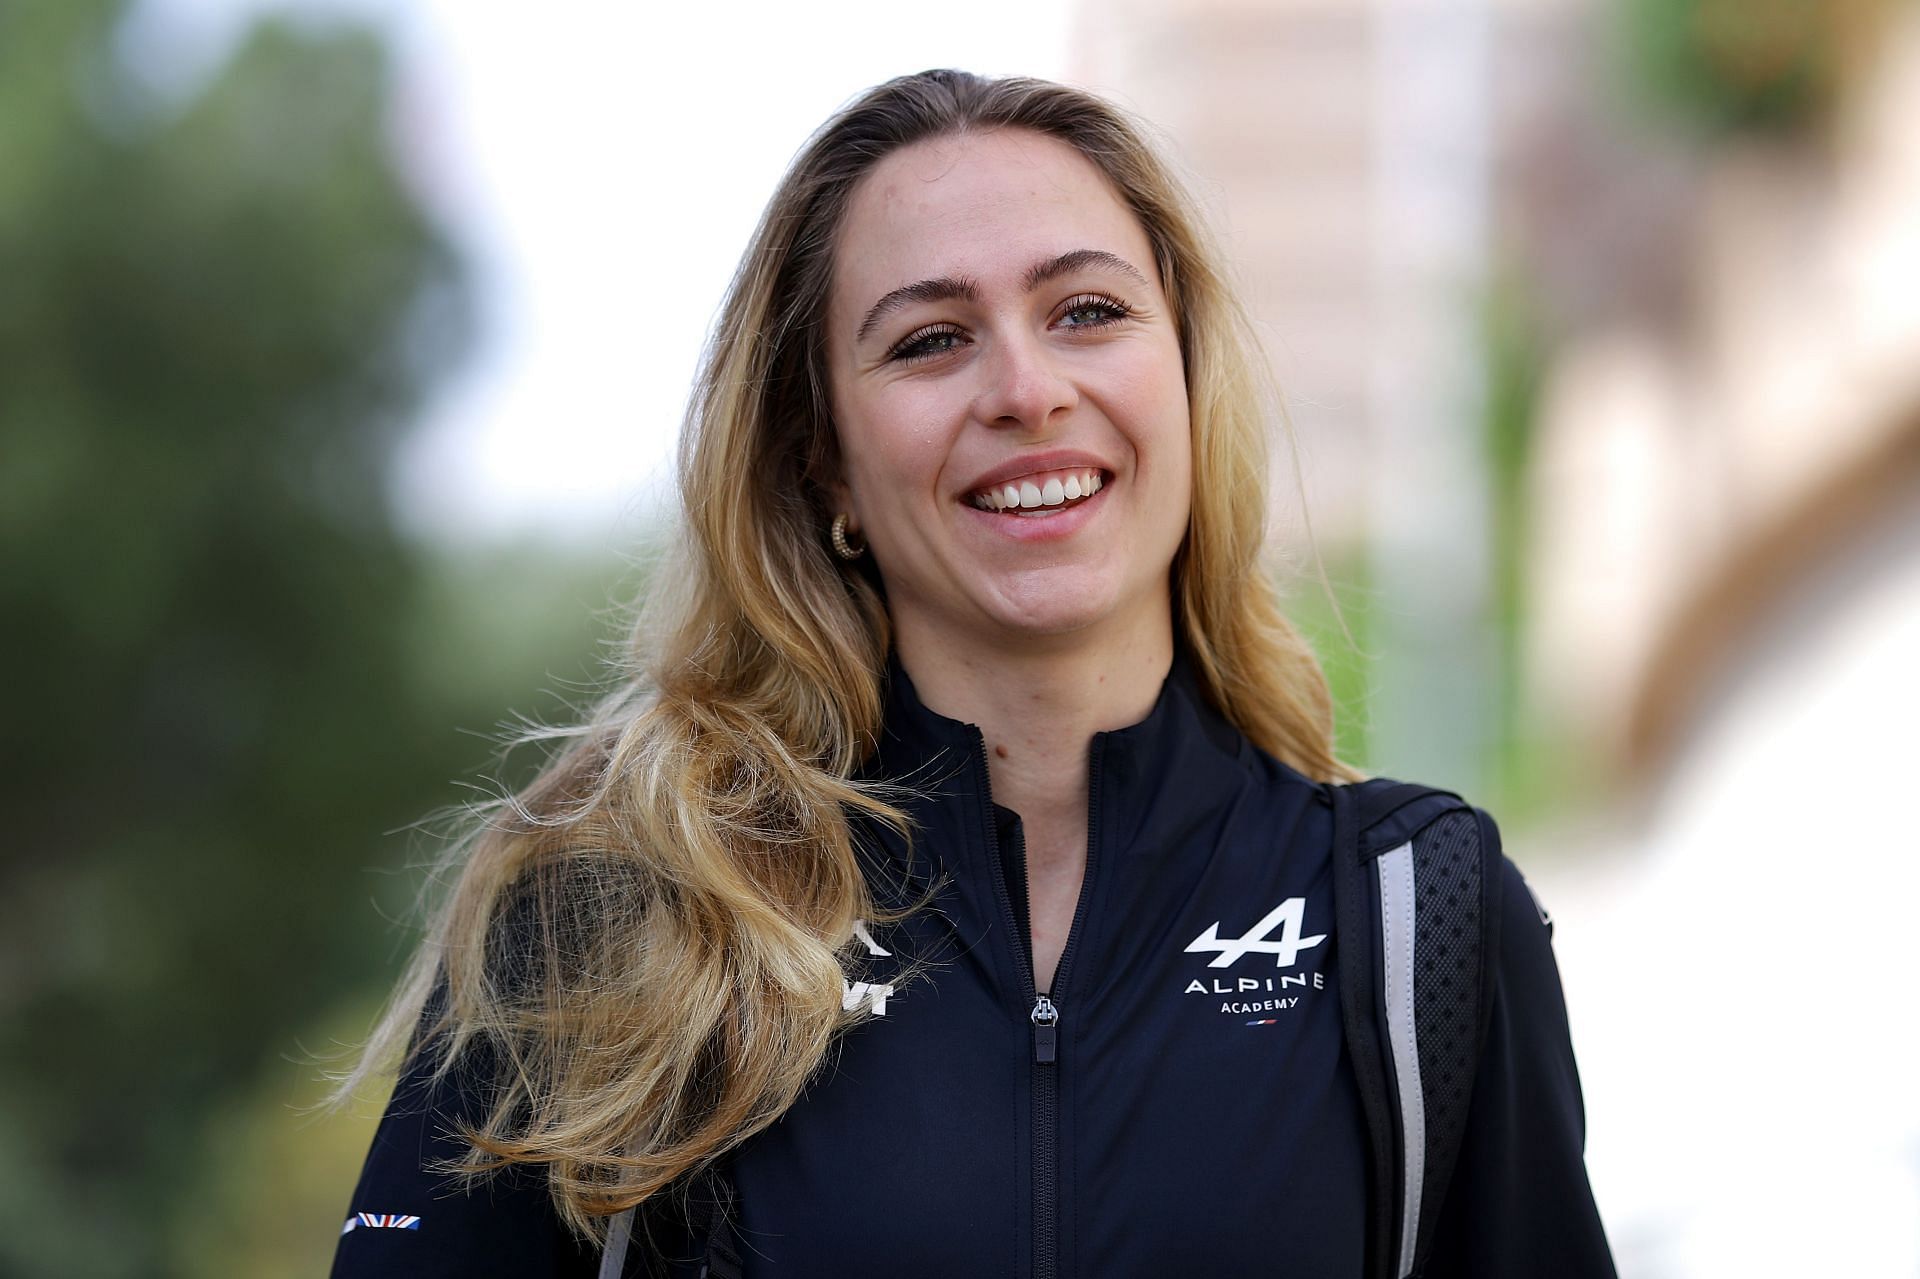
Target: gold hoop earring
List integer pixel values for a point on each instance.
(841, 547)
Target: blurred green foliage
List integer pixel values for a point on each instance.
(231, 676)
(1335, 617)
(1531, 771)
(1737, 65)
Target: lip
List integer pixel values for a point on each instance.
(1032, 464)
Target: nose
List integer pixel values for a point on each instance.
(1026, 385)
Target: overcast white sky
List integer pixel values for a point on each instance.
(603, 163)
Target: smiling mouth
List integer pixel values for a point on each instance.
(1041, 493)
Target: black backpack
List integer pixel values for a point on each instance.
(1417, 872)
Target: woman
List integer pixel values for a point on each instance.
(887, 906)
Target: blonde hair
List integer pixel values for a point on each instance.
(648, 943)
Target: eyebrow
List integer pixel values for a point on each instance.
(946, 287)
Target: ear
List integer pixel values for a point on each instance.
(839, 498)
(833, 484)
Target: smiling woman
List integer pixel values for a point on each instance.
(851, 936)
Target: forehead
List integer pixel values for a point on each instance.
(982, 205)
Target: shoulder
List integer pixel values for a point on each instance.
(414, 1213)
(1453, 850)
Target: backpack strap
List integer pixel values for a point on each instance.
(1415, 871)
(723, 1251)
(711, 1216)
(1355, 914)
(613, 1258)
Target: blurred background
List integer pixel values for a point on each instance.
(342, 350)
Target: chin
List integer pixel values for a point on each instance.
(1046, 607)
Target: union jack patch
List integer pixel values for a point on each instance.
(380, 1221)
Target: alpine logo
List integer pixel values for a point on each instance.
(1251, 996)
(1285, 951)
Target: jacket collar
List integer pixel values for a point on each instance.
(1184, 752)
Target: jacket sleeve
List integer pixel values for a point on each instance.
(407, 1218)
(1519, 1205)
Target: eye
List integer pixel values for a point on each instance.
(1093, 311)
(921, 344)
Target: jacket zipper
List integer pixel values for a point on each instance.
(1044, 1014)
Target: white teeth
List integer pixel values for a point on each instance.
(1056, 490)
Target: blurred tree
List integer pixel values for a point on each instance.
(1534, 771)
(1767, 66)
(489, 625)
(216, 315)
(1338, 620)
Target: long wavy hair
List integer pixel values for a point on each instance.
(648, 942)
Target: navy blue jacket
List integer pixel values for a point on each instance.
(1180, 1102)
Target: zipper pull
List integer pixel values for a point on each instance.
(1045, 1018)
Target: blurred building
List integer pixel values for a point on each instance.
(1727, 551)
(1737, 403)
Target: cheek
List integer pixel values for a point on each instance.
(894, 450)
(1157, 417)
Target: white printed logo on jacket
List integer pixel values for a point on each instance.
(1260, 994)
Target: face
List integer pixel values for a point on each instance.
(1008, 393)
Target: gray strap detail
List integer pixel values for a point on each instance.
(1396, 944)
(614, 1259)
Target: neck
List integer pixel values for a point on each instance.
(1039, 705)
(1038, 702)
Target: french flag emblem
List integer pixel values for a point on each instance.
(380, 1221)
